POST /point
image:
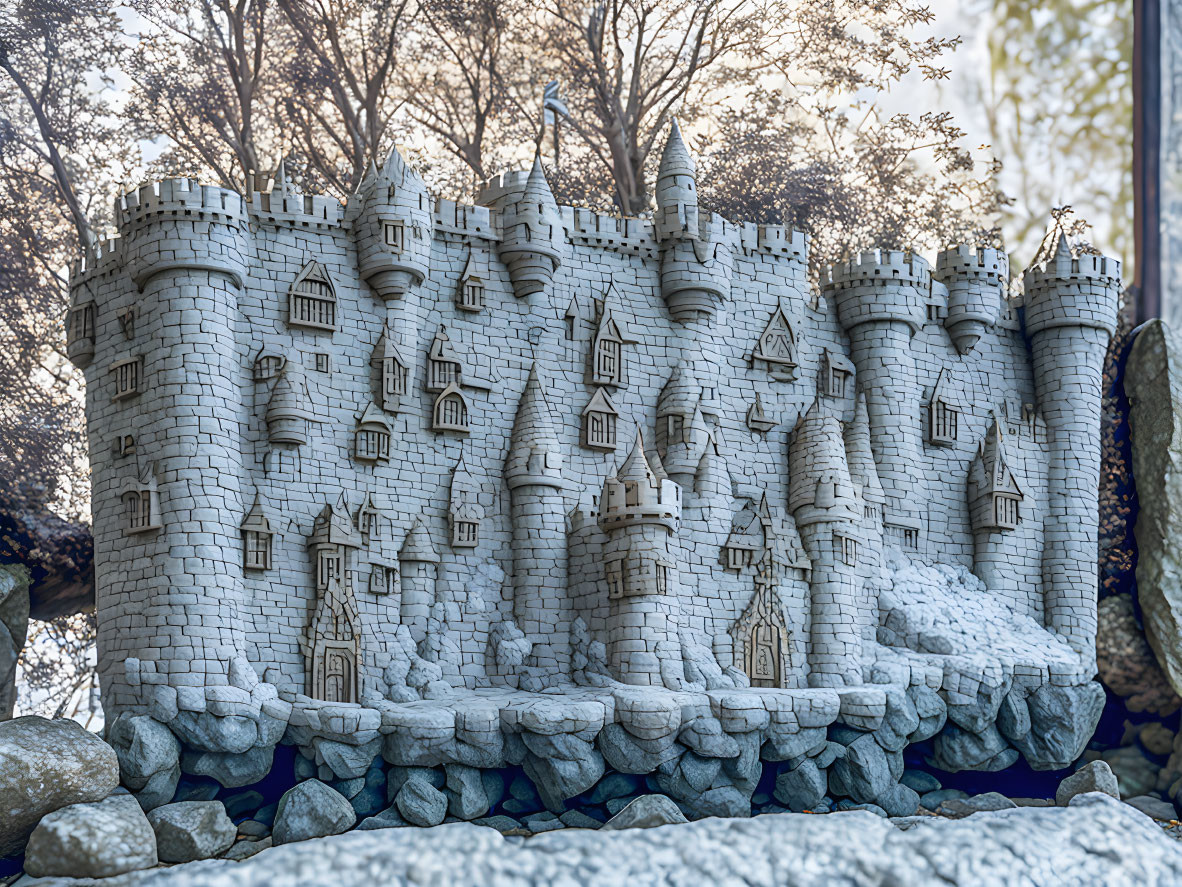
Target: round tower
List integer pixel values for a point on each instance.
(822, 500)
(695, 266)
(1071, 306)
(533, 237)
(975, 280)
(186, 248)
(533, 473)
(880, 300)
(418, 564)
(391, 220)
(864, 476)
(640, 510)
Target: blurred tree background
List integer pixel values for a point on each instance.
(860, 121)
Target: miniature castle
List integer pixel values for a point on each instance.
(347, 458)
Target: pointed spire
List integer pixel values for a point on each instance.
(636, 466)
(537, 188)
(675, 158)
(535, 452)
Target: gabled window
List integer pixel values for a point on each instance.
(368, 521)
(127, 376)
(392, 370)
(836, 373)
(943, 414)
(141, 504)
(600, 419)
(607, 349)
(470, 292)
(443, 364)
(312, 301)
(256, 539)
(451, 411)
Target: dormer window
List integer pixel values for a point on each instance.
(607, 351)
(373, 437)
(600, 419)
(443, 364)
(451, 411)
(943, 414)
(470, 292)
(127, 376)
(394, 233)
(836, 373)
(313, 300)
(256, 539)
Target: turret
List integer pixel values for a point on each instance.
(418, 565)
(333, 647)
(1071, 306)
(864, 473)
(695, 265)
(288, 410)
(534, 476)
(976, 280)
(713, 496)
(640, 510)
(682, 433)
(824, 505)
(391, 220)
(533, 237)
(881, 299)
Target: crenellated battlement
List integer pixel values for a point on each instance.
(182, 196)
(462, 220)
(287, 206)
(966, 262)
(1067, 269)
(879, 268)
(774, 239)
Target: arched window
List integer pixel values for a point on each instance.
(451, 411)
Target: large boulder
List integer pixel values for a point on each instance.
(44, 766)
(97, 840)
(1062, 720)
(647, 811)
(1093, 777)
(1153, 382)
(149, 758)
(192, 830)
(311, 810)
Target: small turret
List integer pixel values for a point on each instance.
(391, 220)
(860, 458)
(975, 280)
(419, 565)
(532, 235)
(820, 488)
(994, 495)
(535, 453)
(682, 433)
(288, 411)
(1064, 290)
(636, 494)
(695, 266)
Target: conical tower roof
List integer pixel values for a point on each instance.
(537, 188)
(417, 547)
(535, 452)
(675, 158)
(289, 397)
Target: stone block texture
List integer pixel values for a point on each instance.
(377, 473)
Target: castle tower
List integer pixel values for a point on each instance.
(533, 238)
(713, 497)
(975, 280)
(822, 501)
(186, 338)
(333, 641)
(391, 221)
(418, 564)
(682, 434)
(880, 300)
(533, 473)
(1071, 307)
(695, 270)
(288, 410)
(640, 511)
